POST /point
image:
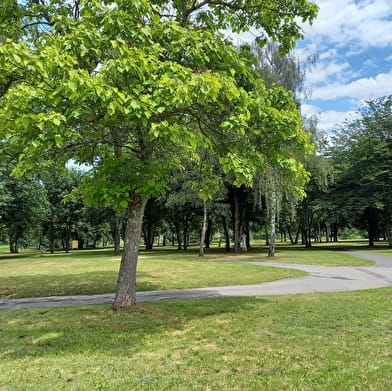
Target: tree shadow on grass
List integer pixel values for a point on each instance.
(52, 331)
(69, 284)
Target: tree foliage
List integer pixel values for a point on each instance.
(133, 92)
(363, 155)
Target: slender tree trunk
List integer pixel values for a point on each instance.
(208, 233)
(178, 236)
(266, 234)
(271, 251)
(126, 283)
(388, 228)
(226, 233)
(297, 236)
(117, 232)
(247, 239)
(14, 246)
(203, 230)
(186, 233)
(237, 237)
(371, 225)
(327, 232)
(67, 238)
(148, 236)
(290, 235)
(51, 244)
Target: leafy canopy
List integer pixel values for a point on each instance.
(135, 94)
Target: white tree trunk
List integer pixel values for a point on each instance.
(203, 230)
(273, 211)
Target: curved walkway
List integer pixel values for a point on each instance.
(320, 279)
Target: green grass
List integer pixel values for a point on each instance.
(340, 341)
(319, 254)
(86, 272)
(95, 271)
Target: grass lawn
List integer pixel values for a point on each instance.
(339, 341)
(319, 254)
(95, 271)
(32, 274)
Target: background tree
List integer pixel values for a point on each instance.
(24, 208)
(362, 153)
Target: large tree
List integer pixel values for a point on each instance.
(123, 87)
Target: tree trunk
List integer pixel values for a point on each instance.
(118, 223)
(237, 237)
(67, 238)
(203, 230)
(388, 228)
(148, 234)
(14, 246)
(292, 241)
(208, 234)
(178, 236)
(371, 225)
(126, 284)
(186, 232)
(247, 239)
(226, 233)
(271, 250)
(51, 244)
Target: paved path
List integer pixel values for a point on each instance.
(320, 279)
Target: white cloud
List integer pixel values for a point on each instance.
(327, 70)
(330, 119)
(361, 23)
(364, 88)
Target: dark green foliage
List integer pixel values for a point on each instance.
(363, 157)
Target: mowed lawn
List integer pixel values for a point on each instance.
(339, 341)
(33, 274)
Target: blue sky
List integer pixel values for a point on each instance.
(353, 42)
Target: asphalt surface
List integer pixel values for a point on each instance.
(320, 279)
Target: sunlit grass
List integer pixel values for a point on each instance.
(312, 342)
(33, 274)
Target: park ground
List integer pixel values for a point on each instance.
(334, 341)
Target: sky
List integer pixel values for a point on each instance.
(352, 40)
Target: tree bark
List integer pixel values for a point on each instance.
(208, 234)
(185, 234)
(117, 233)
(203, 230)
(371, 225)
(178, 235)
(237, 223)
(126, 284)
(14, 246)
(226, 233)
(148, 234)
(271, 250)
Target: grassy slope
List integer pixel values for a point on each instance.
(301, 342)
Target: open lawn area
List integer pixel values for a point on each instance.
(301, 342)
(316, 255)
(32, 274)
